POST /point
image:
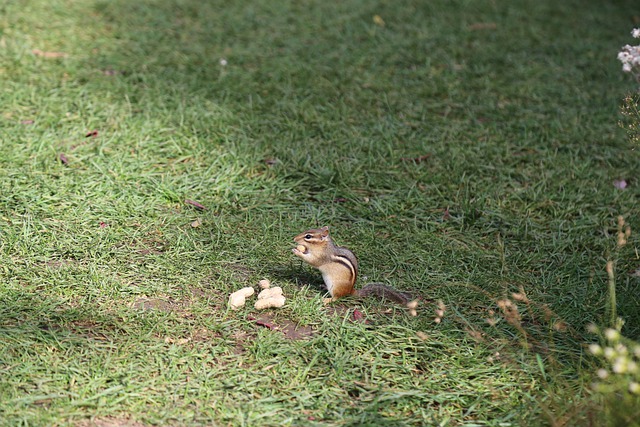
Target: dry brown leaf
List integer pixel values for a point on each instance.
(418, 159)
(195, 204)
(483, 26)
(49, 55)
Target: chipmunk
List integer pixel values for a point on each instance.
(339, 268)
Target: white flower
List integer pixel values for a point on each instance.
(619, 365)
(223, 62)
(602, 373)
(612, 334)
(636, 33)
(630, 56)
(609, 353)
(595, 349)
(621, 349)
(634, 387)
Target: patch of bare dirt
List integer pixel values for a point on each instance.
(214, 298)
(241, 338)
(231, 271)
(90, 329)
(204, 335)
(110, 422)
(151, 244)
(288, 328)
(160, 304)
(60, 263)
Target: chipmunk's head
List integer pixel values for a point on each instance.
(314, 238)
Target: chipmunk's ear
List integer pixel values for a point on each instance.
(324, 232)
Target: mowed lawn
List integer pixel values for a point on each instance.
(157, 155)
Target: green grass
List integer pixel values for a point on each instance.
(113, 307)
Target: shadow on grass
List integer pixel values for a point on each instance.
(235, 54)
(298, 275)
(29, 320)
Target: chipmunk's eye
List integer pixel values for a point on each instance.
(308, 236)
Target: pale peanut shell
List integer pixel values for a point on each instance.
(238, 298)
(270, 293)
(276, 301)
(264, 284)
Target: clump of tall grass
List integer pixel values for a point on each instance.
(618, 378)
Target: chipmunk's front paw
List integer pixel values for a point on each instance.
(300, 250)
